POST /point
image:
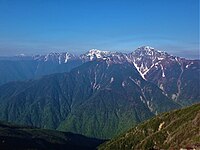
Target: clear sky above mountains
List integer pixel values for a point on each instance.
(42, 26)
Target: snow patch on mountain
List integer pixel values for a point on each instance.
(139, 70)
(112, 79)
(123, 84)
(162, 69)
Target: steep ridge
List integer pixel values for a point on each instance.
(99, 99)
(23, 138)
(179, 78)
(172, 130)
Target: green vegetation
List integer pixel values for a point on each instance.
(172, 130)
(85, 101)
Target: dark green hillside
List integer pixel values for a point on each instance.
(171, 130)
(98, 99)
(16, 137)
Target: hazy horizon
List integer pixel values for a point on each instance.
(185, 54)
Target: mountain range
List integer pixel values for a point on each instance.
(174, 75)
(100, 93)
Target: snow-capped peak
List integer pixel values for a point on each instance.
(108, 56)
(145, 51)
(145, 58)
(150, 52)
(98, 53)
(94, 54)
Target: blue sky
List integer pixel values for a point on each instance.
(42, 26)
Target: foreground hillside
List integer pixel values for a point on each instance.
(172, 130)
(20, 137)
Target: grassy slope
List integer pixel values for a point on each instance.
(172, 130)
